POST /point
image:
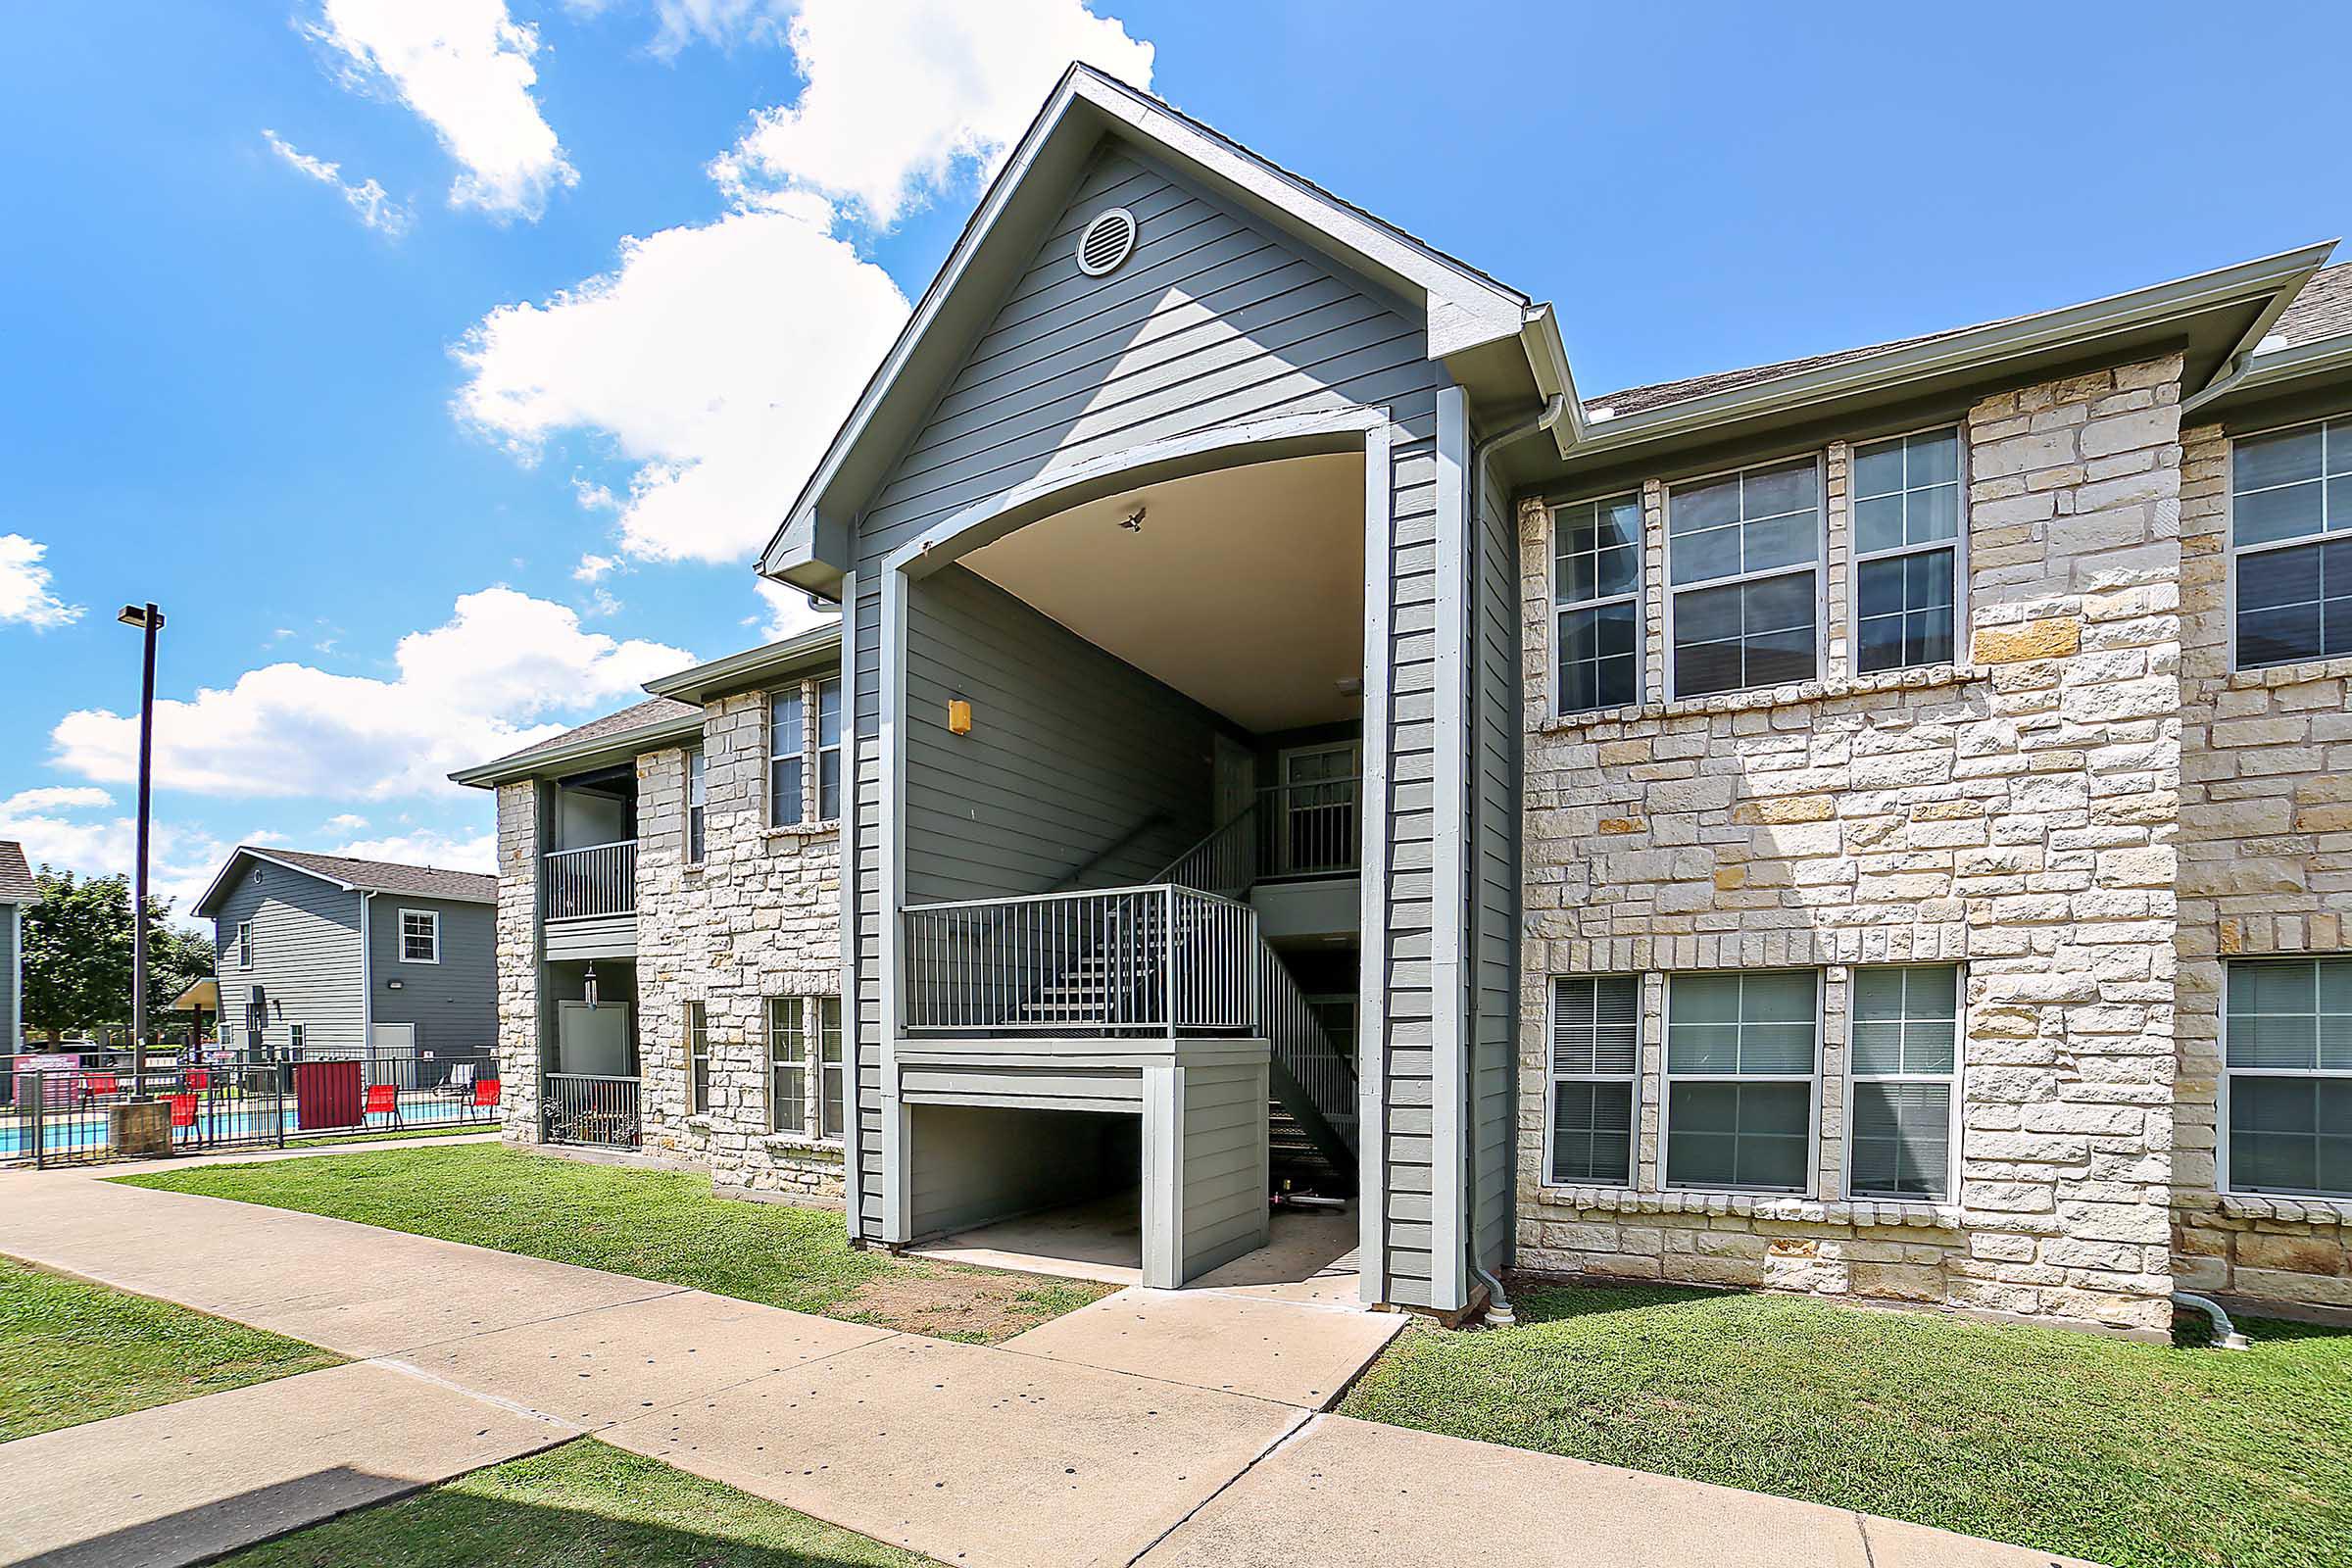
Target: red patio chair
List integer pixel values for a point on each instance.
(199, 1080)
(485, 1093)
(384, 1100)
(183, 1111)
(99, 1085)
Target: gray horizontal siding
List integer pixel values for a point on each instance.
(306, 956)
(1070, 751)
(11, 958)
(1214, 320)
(454, 1003)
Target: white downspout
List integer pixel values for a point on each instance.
(1498, 1304)
(366, 982)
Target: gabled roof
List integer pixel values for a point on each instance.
(2322, 310)
(1493, 337)
(356, 875)
(16, 885)
(654, 718)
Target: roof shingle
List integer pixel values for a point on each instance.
(16, 885)
(387, 876)
(653, 711)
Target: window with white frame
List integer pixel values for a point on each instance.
(698, 806)
(698, 1056)
(788, 1064)
(1743, 558)
(830, 1067)
(787, 758)
(1740, 1051)
(2290, 540)
(2287, 1042)
(1904, 1063)
(1595, 1054)
(1596, 602)
(420, 936)
(805, 1066)
(244, 944)
(1907, 545)
(828, 750)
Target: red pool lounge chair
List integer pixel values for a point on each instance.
(384, 1100)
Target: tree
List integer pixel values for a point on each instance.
(78, 955)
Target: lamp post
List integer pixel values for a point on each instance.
(150, 621)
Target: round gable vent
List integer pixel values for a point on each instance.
(1106, 243)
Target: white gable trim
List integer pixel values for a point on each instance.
(1464, 309)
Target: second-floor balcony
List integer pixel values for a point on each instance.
(596, 881)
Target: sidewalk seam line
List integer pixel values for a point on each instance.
(1307, 1419)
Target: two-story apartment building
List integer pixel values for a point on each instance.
(327, 953)
(1873, 825)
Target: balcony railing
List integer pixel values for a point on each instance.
(600, 1112)
(1291, 830)
(1117, 962)
(580, 884)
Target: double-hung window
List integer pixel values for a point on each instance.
(1906, 550)
(2287, 1041)
(804, 1038)
(1596, 1053)
(420, 936)
(829, 1066)
(788, 1064)
(2290, 537)
(828, 750)
(244, 944)
(698, 806)
(787, 758)
(1743, 558)
(1905, 1060)
(698, 1055)
(1596, 602)
(1740, 1050)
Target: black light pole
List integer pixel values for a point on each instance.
(149, 619)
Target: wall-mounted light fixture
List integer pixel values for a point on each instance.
(960, 715)
(392, 984)
(588, 988)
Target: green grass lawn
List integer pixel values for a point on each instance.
(2133, 1454)
(581, 1505)
(72, 1352)
(390, 1135)
(654, 1225)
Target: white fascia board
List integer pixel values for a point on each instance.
(1464, 309)
(2278, 276)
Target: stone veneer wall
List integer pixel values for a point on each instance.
(519, 959)
(2266, 871)
(759, 917)
(2016, 813)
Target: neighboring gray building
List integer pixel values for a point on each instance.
(16, 889)
(325, 953)
(1876, 825)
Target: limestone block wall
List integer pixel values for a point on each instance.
(2265, 871)
(519, 960)
(759, 917)
(2015, 812)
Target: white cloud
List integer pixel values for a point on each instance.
(720, 22)
(24, 594)
(56, 831)
(347, 822)
(788, 611)
(904, 95)
(465, 68)
(717, 358)
(485, 682)
(592, 568)
(475, 852)
(376, 210)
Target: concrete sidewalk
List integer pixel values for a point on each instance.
(1151, 1427)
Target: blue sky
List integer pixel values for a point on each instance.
(434, 393)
